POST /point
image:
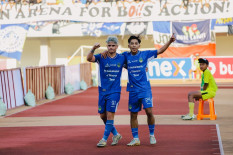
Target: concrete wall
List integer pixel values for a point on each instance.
(66, 46)
(223, 46)
(31, 53)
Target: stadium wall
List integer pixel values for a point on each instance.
(223, 46)
(66, 46)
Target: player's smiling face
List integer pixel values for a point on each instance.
(134, 46)
(203, 66)
(112, 47)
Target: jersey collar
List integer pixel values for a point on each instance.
(113, 57)
(135, 54)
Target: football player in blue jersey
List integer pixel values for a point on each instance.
(139, 85)
(110, 70)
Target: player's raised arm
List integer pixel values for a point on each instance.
(162, 49)
(90, 56)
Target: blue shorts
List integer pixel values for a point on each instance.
(137, 99)
(108, 102)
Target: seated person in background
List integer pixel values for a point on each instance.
(208, 88)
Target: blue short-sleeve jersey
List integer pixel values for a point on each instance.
(136, 64)
(109, 75)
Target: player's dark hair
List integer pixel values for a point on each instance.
(134, 37)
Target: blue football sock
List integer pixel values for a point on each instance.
(152, 129)
(108, 129)
(114, 131)
(135, 132)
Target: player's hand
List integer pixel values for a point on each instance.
(173, 38)
(146, 69)
(97, 45)
(104, 54)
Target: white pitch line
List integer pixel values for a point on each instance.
(220, 140)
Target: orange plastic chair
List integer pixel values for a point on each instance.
(211, 115)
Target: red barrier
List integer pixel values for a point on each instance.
(221, 67)
(39, 78)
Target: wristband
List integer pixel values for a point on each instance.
(92, 51)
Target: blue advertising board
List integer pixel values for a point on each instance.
(169, 68)
(192, 32)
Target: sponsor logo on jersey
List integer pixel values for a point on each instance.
(107, 65)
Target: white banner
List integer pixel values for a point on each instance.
(118, 12)
(68, 28)
(12, 38)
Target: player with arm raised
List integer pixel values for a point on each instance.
(139, 85)
(110, 70)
